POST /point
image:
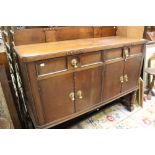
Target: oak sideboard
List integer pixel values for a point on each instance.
(66, 79)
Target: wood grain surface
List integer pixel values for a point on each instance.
(33, 52)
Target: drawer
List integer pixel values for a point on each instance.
(86, 59)
(113, 54)
(136, 49)
(91, 58)
(51, 66)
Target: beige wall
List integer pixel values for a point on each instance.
(130, 31)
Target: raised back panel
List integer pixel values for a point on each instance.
(108, 31)
(32, 35)
(69, 33)
(104, 31)
(29, 36)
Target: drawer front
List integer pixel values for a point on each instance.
(91, 58)
(113, 54)
(136, 49)
(51, 66)
(82, 60)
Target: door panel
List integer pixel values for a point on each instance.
(111, 79)
(132, 70)
(54, 94)
(89, 83)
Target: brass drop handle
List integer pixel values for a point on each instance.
(74, 63)
(121, 79)
(79, 94)
(126, 53)
(126, 79)
(72, 96)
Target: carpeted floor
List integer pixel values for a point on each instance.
(117, 117)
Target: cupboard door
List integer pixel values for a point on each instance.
(131, 73)
(111, 79)
(88, 88)
(54, 94)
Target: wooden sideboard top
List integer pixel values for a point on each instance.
(34, 52)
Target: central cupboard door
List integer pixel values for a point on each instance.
(88, 88)
(55, 96)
